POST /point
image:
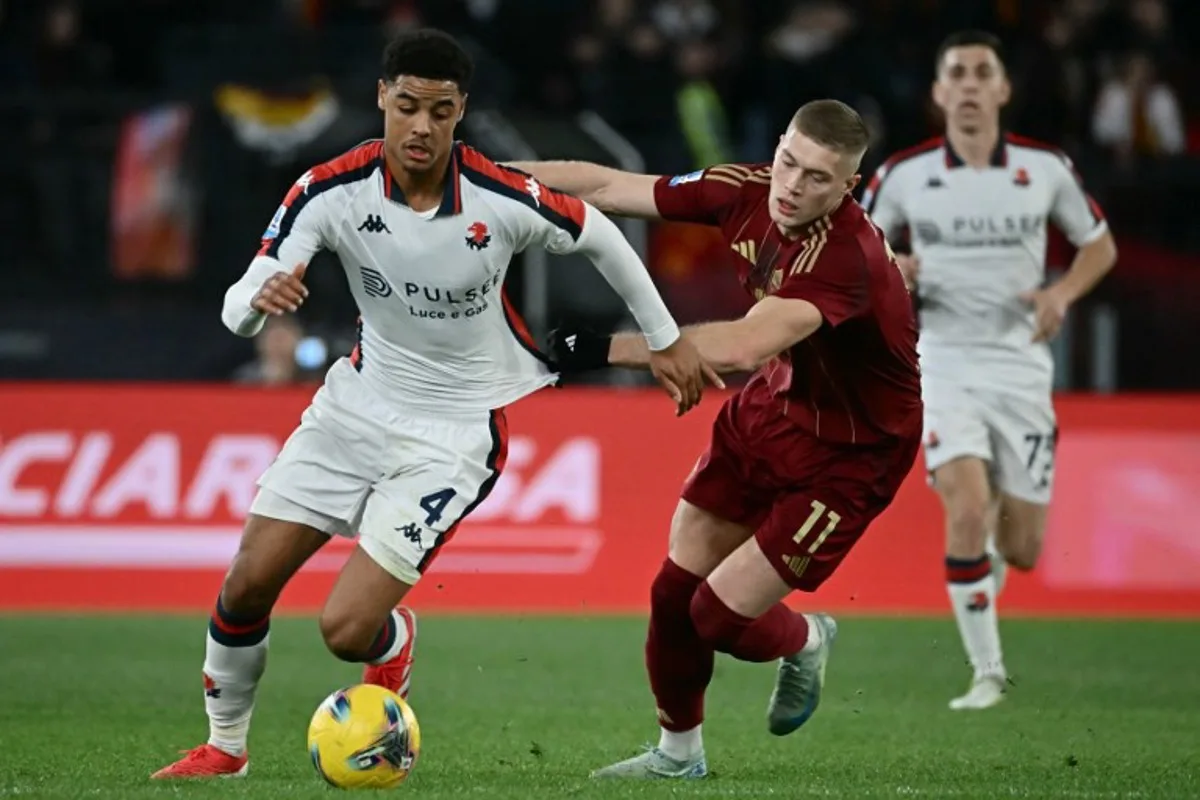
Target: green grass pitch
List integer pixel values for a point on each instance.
(525, 707)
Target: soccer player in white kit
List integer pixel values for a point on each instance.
(408, 434)
(976, 203)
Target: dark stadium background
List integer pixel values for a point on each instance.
(145, 145)
(114, 263)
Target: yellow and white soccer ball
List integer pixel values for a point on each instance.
(364, 737)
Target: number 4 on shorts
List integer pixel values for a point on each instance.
(434, 504)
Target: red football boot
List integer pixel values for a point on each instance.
(396, 673)
(206, 761)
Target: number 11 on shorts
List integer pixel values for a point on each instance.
(818, 510)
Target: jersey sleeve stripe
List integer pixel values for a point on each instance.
(715, 176)
(354, 165)
(1093, 206)
(356, 355)
(889, 166)
(563, 210)
(738, 174)
(520, 330)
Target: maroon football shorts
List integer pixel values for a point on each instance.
(809, 501)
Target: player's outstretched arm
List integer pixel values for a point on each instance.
(613, 191)
(772, 326)
(674, 361)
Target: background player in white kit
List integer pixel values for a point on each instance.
(976, 204)
(408, 435)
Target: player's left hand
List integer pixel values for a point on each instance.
(1049, 311)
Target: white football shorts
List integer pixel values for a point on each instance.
(1015, 435)
(399, 480)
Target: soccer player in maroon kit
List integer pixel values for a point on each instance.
(807, 454)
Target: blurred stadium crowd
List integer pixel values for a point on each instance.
(145, 143)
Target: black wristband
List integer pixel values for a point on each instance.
(578, 350)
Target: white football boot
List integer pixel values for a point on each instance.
(985, 692)
(799, 681)
(653, 764)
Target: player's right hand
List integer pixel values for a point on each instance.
(909, 267)
(282, 292)
(682, 373)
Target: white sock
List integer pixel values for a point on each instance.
(397, 644)
(814, 635)
(681, 745)
(974, 606)
(231, 675)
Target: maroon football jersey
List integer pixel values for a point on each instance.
(855, 380)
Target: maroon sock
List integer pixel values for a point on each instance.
(679, 662)
(778, 632)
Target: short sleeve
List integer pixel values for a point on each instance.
(705, 196)
(1075, 213)
(558, 221)
(548, 218)
(833, 276)
(883, 203)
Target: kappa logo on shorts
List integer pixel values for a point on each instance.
(411, 532)
(374, 284)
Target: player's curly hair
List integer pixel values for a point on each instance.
(428, 53)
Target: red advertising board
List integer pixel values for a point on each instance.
(131, 497)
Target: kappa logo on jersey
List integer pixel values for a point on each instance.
(1022, 177)
(691, 177)
(305, 180)
(478, 236)
(273, 229)
(535, 190)
(374, 284)
(374, 224)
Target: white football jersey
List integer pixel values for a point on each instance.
(436, 332)
(981, 238)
